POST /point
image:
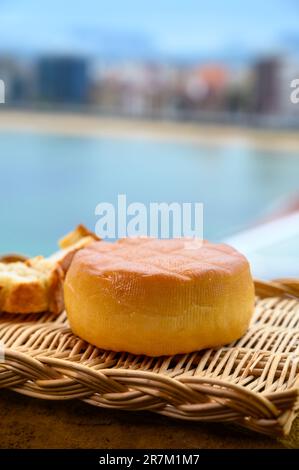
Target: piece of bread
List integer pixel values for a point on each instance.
(158, 297)
(33, 286)
(36, 285)
(70, 244)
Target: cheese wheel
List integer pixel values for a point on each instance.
(158, 297)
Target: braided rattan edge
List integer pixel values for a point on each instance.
(63, 367)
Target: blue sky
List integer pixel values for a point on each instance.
(171, 27)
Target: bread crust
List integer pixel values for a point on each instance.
(36, 285)
(35, 296)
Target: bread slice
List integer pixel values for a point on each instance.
(31, 286)
(36, 284)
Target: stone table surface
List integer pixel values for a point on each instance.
(32, 423)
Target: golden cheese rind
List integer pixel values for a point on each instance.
(158, 297)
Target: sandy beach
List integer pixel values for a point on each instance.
(95, 126)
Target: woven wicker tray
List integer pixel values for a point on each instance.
(253, 382)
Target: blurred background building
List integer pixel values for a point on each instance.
(252, 94)
(62, 80)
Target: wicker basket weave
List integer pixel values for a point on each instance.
(253, 382)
